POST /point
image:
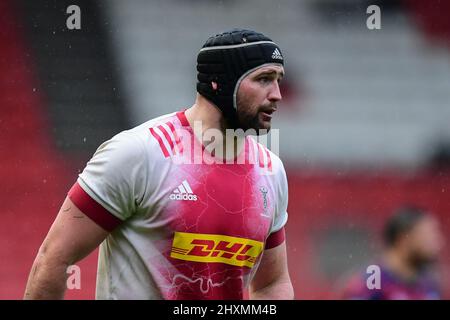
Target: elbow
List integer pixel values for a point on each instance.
(285, 290)
(53, 255)
(47, 278)
(290, 292)
(277, 290)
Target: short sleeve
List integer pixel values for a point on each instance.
(277, 232)
(356, 289)
(114, 178)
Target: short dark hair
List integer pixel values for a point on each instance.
(401, 222)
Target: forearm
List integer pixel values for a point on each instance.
(279, 290)
(71, 238)
(47, 280)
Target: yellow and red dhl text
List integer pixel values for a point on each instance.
(216, 248)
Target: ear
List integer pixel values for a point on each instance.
(214, 85)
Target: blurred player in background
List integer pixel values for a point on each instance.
(413, 240)
(184, 229)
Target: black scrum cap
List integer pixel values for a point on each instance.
(226, 59)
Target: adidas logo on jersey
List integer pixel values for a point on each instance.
(183, 192)
(277, 54)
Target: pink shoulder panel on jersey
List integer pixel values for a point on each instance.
(167, 137)
(92, 208)
(275, 239)
(182, 117)
(262, 155)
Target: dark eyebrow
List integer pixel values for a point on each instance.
(271, 72)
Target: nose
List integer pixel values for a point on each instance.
(275, 93)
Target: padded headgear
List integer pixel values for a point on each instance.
(226, 59)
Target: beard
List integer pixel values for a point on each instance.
(251, 117)
(422, 262)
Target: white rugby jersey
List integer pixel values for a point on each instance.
(180, 230)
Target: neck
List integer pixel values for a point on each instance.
(212, 120)
(207, 113)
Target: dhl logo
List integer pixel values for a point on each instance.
(215, 248)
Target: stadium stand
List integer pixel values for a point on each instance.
(369, 92)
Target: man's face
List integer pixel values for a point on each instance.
(426, 240)
(257, 97)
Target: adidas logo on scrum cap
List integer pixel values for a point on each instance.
(183, 192)
(277, 54)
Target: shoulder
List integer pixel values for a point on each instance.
(356, 288)
(266, 158)
(157, 136)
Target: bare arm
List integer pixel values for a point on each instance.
(71, 237)
(272, 281)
